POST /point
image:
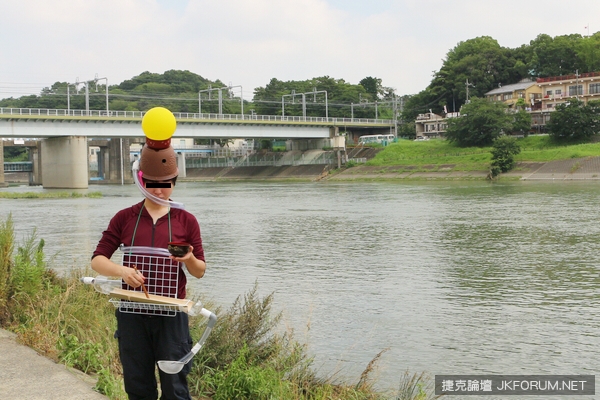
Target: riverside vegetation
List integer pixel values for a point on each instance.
(48, 195)
(247, 356)
(435, 154)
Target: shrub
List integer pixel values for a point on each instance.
(503, 151)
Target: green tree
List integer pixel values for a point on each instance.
(588, 52)
(372, 86)
(521, 122)
(480, 123)
(481, 62)
(407, 130)
(340, 94)
(504, 149)
(575, 121)
(15, 153)
(555, 56)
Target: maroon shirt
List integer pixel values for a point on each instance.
(184, 228)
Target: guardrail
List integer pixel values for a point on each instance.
(20, 166)
(49, 112)
(266, 161)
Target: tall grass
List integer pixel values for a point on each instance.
(247, 356)
(7, 239)
(438, 152)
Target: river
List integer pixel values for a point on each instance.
(450, 277)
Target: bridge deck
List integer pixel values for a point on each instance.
(191, 118)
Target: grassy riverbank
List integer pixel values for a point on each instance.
(47, 195)
(248, 355)
(438, 154)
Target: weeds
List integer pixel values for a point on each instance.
(416, 387)
(7, 239)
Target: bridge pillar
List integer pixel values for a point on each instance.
(100, 160)
(35, 156)
(2, 183)
(118, 162)
(65, 162)
(181, 164)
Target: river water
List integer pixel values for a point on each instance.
(450, 277)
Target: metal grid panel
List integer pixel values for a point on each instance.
(162, 278)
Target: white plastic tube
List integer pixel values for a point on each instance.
(144, 250)
(137, 179)
(101, 283)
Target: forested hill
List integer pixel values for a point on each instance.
(185, 91)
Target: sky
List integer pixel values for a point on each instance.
(246, 43)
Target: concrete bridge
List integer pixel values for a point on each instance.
(60, 160)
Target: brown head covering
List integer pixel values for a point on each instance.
(158, 164)
(158, 161)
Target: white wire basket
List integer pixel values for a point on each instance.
(162, 279)
(150, 308)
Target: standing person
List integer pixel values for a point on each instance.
(145, 339)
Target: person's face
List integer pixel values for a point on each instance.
(160, 189)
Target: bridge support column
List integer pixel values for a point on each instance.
(101, 162)
(181, 164)
(35, 156)
(65, 162)
(2, 183)
(119, 166)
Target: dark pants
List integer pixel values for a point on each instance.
(144, 340)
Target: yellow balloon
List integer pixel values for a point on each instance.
(159, 124)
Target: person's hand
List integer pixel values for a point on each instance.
(186, 257)
(132, 277)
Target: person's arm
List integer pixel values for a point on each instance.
(104, 266)
(194, 266)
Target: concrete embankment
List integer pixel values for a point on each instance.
(572, 169)
(297, 172)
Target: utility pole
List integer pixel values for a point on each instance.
(467, 84)
(577, 83)
(87, 92)
(220, 97)
(395, 117)
(314, 93)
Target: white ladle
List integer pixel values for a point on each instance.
(174, 367)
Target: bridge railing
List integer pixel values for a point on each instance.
(262, 161)
(49, 112)
(18, 166)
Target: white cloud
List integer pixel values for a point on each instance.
(249, 42)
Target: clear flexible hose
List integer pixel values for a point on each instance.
(138, 182)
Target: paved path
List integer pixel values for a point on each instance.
(26, 375)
